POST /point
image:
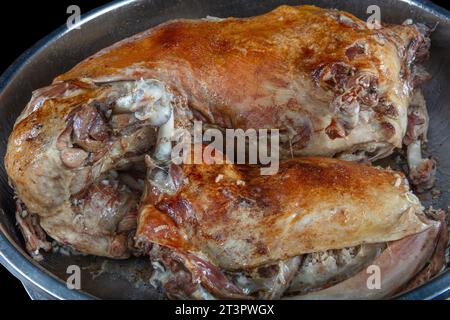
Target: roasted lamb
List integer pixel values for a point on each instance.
(88, 156)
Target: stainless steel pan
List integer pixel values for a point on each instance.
(102, 278)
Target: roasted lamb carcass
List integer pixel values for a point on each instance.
(331, 85)
(225, 231)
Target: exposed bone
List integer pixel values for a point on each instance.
(158, 173)
(164, 143)
(148, 99)
(421, 171)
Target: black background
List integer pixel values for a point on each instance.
(22, 23)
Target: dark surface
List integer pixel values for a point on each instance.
(21, 26)
(11, 286)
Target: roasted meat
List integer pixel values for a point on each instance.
(329, 83)
(227, 221)
(67, 158)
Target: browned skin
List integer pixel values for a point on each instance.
(298, 69)
(237, 218)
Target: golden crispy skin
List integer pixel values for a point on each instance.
(328, 82)
(236, 219)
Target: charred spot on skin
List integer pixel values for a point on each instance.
(245, 202)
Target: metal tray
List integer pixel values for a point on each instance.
(62, 49)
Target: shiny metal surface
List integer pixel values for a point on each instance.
(107, 279)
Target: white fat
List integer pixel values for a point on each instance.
(164, 143)
(408, 22)
(149, 100)
(211, 18)
(72, 93)
(412, 198)
(398, 182)
(414, 155)
(24, 213)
